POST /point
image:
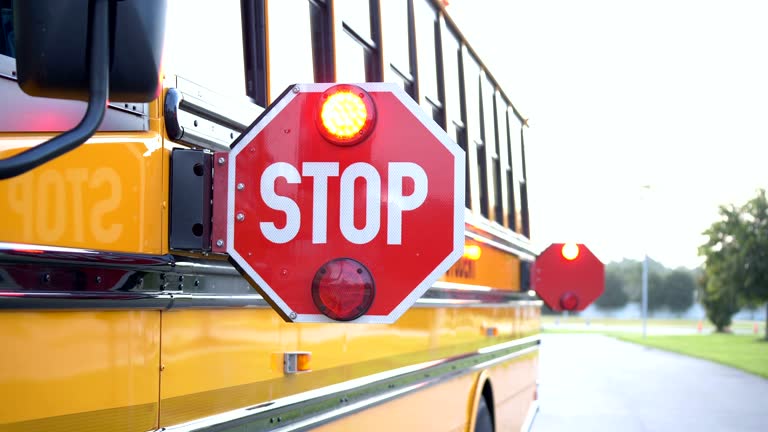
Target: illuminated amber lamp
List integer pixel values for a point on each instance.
(346, 115)
(570, 251)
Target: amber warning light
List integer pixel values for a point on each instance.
(472, 252)
(346, 115)
(570, 251)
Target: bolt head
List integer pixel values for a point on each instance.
(221, 161)
(219, 242)
(240, 186)
(240, 217)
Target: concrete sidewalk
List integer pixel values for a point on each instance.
(597, 383)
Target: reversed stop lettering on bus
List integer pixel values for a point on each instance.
(397, 203)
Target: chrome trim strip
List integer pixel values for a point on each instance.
(47, 300)
(493, 234)
(213, 264)
(172, 281)
(510, 344)
(21, 300)
(461, 287)
(207, 267)
(530, 417)
(19, 252)
(357, 394)
(202, 118)
(8, 67)
(236, 113)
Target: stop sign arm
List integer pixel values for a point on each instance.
(288, 200)
(219, 213)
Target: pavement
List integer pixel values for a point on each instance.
(651, 328)
(618, 328)
(591, 382)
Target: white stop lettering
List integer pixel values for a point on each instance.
(397, 202)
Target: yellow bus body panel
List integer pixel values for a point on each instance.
(494, 268)
(107, 194)
(513, 384)
(415, 411)
(215, 361)
(57, 365)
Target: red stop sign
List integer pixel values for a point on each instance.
(390, 206)
(568, 276)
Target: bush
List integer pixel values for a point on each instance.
(721, 305)
(614, 296)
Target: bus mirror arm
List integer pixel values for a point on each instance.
(98, 80)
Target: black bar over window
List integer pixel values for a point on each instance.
(322, 40)
(255, 49)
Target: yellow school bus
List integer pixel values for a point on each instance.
(117, 313)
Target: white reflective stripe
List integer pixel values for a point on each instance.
(399, 203)
(320, 171)
(372, 203)
(280, 203)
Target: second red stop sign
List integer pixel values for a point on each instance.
(366, 222)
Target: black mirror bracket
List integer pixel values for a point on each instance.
(98, 80)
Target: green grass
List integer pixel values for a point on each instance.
(747, 353)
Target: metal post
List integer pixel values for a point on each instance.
(643, 197)
(645, 294)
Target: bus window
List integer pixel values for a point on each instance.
(475, 149)
(356, 45)
(451, 68)
(504, 171)
(6, 28)
(289, 47)
(472, 94)
(524, 215)
(356, 14)
(426, 28)
(206, 48)
(489, 145)
(395, 43)
(350, 61)
(455, 126)
(516, 162)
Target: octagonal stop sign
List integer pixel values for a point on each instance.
(345, 203)
(568, 276)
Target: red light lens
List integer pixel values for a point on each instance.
(343, 289)
(346, 115)
(569, 301)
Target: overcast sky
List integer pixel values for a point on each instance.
(671, 94)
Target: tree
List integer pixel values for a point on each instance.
(720, 304)
(631, 273)
(656, 296)
(679, 288)
(736, 253)
(614, 296)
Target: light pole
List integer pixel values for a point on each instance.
(644, 311)
(645, 292)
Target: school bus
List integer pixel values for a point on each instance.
(118, 314)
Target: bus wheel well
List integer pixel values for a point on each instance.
(487, 394)
(485, 418)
